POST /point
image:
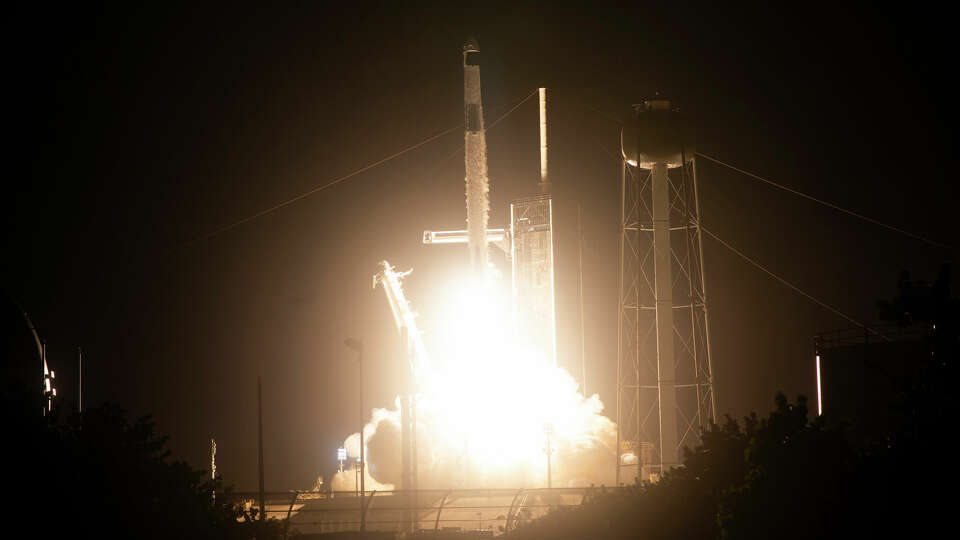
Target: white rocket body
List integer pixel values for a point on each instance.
(475, 160)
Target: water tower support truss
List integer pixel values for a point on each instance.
(644, 380)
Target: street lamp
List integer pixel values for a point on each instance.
(548, 449)
(357, 346)
(356, 477)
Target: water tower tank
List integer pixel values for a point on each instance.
(659, 134)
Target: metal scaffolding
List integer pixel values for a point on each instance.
(531, 232)
(664, 375)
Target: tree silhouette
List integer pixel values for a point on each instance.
(100, 475)
(786, 476)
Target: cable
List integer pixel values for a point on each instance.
(810, 197)
(495, 122)
(619, 159)
(320, 188)
(771, 274)
(821, 303)
(346, 177)
(605, 116)
(515, 107)
(827, 204)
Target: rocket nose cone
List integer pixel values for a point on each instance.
(471, 45)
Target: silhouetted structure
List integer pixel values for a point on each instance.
(863, 374)
(22, 353)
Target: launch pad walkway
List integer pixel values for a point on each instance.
(489, 512)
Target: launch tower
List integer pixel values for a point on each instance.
(528, 242)
(664, 375)
(531, 250)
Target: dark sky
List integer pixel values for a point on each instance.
(140, 130)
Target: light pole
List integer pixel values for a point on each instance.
(548, 428)
(356, 477)
(357, 346)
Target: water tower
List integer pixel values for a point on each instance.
(664, 375)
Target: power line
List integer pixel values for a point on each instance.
(347, 176)
(804, 195)
(515, 107)
(827, 204)
(459, 149)
(320, 188)
(809, 296)
(770, 273)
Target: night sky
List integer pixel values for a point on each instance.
(138, 131)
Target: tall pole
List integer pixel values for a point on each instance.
(46, 377)
(363, 461)
(263, 508)
(79, 379)
(583, 347)
(549, 450)
(357, 346)
(544, 174)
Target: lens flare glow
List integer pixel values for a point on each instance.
(484, 407)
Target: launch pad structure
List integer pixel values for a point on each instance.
(531, 254)
(528, 241)
(665, 392)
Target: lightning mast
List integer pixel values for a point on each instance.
(531, 252)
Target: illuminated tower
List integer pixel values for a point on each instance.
(49, 391)
(531, 250)
(664, 376)
(475, 159)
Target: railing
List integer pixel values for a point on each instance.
(484, 512)
(869, 334)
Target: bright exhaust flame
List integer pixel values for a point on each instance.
(484, 406)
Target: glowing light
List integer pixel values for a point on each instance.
(483, 401)
(819, 398)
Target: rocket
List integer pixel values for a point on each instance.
(475, 160)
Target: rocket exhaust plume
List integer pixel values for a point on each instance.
(484, 404)
(487, 400)
(475, 160)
